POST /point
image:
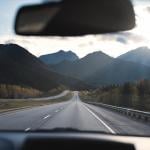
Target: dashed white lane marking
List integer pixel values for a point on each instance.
(27, 129)
(94, 115)
(47, 116)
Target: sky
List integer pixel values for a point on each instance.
(111, 44)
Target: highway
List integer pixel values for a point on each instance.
(72, 114)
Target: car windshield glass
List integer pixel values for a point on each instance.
(97, 83)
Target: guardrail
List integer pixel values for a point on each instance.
(136, 114)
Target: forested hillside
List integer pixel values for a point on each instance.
(130, 95)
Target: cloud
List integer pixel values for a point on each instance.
(131, 37)
(122, 40)
(111, 44)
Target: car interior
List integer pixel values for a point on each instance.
(74, 18)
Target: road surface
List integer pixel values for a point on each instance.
(72, 114)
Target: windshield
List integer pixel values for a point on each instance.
(98, 83)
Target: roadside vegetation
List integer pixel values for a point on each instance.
(54, 91)
(16, 97)
(15, 92)
(130, 95)
(11, 104)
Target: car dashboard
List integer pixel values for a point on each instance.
(70, 140)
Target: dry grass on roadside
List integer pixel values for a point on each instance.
(13, 104)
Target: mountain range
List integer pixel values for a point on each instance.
(140, 55)
(99, 69)
(119, 72)
(58, 57)
(19, 67)
(84, 67)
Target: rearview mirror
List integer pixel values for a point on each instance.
(75, 18)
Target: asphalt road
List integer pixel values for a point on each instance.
(72, 114)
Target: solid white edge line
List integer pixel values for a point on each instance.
(94, 115)
(27, 129)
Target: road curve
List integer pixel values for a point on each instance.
(64, 93)
(72, 114)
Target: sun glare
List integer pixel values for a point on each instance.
(143, 21)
